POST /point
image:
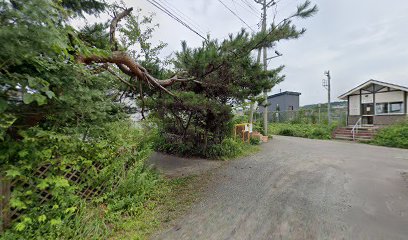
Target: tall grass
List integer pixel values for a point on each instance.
(393, 136)
(313, 131)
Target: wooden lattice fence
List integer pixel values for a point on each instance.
(75, 177)
(5, 216)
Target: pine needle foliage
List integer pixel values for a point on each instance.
(200, 117)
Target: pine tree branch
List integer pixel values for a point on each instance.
(128, 65)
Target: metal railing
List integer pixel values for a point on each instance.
(355, 128)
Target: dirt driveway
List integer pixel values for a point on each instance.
(304, 189)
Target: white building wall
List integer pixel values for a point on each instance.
(354, 105)
(389, 97)
(367, 98)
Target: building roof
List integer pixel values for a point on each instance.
(372, 81)
(284, 93)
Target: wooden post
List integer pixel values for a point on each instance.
(4, 204)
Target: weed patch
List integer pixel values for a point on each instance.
(393, 136)
(313, 131)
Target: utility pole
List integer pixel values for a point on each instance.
(265, 6)
(252, 105)
(326, 84)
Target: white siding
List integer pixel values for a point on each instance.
(367, 98)
(389, 97)
(354, 105)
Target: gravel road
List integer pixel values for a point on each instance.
(304, 189)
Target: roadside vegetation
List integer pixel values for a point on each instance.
(72, 157)
(304, 130)
(393, 136)
(230, 147)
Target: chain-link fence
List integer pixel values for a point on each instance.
(306, 116)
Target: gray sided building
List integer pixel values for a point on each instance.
(284, 101)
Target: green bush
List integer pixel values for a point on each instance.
(175, 145)
(286, 132)
(319, 133)
(314, 131)
(230, 148)
(123, 181)
(393, 136)
(227, 149)
(254, 141)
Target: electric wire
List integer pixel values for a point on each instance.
(172, 15)
(248, 10)
(254, 10)
(182, 15)
(236, 15)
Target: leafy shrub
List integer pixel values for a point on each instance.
(314, 131)
(123, 182)
(319, 133)
(393, 136)
(229, 148)
(254, 141)
(174, 144)
(286, 132)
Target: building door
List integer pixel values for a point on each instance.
(367, 113)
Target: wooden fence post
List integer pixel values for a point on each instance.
(4, 204)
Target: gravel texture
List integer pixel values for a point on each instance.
(173, 166)
(304, 189)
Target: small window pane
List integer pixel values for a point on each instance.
(396, 107)
(382, 108)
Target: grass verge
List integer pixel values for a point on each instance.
(173, 200)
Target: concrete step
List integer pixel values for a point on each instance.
(357, 130)
(362, 134)
(351, 138)
(356, 134)
(373, 129)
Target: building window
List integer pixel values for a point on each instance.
(389, 108)
(382, 108)
(396, 107)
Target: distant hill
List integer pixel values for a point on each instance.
(339, 104)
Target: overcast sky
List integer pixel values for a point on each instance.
(355, 40)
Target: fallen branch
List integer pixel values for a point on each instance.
(120, 78)
(128, 65)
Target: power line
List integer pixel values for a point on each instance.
(175, 17)
(186, 17)
(243, 7)
(236, 15)
(246, 2)
(169, 13)
(248, 48)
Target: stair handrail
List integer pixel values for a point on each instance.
(356, 127)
